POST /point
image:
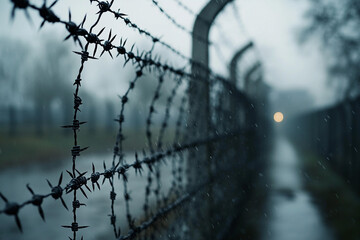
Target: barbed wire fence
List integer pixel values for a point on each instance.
(202, 191)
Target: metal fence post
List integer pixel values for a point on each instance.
(236, 58)
(199, 93)
(249, 74)
(234, 104)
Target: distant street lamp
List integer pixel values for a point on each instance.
(278, 117)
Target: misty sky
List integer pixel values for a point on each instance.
(272, 24)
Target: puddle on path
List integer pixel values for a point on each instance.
(291, 214)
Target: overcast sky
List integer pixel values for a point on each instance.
(272, 24)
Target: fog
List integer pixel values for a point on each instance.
(262, 146)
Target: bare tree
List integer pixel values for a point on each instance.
(337, 23)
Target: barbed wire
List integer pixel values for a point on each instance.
(193, 34)
(129, 23)
(227, 41)
(142, 62)
(76, 31)
(12, 208)
(178, 25)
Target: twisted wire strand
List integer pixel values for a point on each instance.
(178, 25)
(141, 62)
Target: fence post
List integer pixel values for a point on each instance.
(234, 61)
(249, 74)
(233, 78)
(199, 93)
(241, 109)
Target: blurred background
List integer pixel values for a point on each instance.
(310, 55)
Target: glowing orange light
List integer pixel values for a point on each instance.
(278, 117)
